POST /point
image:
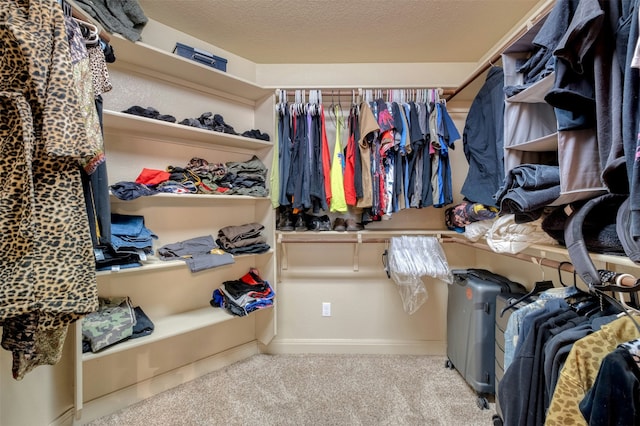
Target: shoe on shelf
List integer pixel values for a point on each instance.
(221, 126)
(256, 134)
(318, 223)
(285, 223)
(352, 225)
(193, 122)
(299, 223)
(313, 222)
(206, 121)
(339, 225)
(324, 223)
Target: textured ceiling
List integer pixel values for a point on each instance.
(345, 31)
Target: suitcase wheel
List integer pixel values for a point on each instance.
(448, 364)
(482, 403)
(497, 420)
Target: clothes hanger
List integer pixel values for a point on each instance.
(538, 287)
(582, 302)
(91, 35)
(621, 298)
(66, 7)
(631, 313)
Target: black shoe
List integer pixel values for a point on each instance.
(299, 224)
(324, 223)
(193, 122)
(221, 126)
(285, 223)
(206, 120)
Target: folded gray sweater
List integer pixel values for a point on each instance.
(124, 17)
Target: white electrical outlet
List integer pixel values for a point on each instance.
(326, 309)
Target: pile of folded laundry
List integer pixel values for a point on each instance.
(243, 239)
(131, 242)
(115, 321)
(244, 295)
(198, 253)
(198, 177)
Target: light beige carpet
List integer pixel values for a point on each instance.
(316, 390)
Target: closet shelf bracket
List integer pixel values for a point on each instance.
(284, 261)
(356, 253)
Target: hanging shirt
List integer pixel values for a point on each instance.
(405, 150)
(368, 125)
(338, 201)
(447, 135)
(285, 149)
(326, 159)
(350, 157)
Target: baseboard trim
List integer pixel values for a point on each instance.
(352, 346)
(65, 419)
(130, 395)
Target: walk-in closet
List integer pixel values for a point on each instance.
(325, 212)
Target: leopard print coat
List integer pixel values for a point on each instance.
(581, 369)
(47, 278)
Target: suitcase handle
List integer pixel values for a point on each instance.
(488, 275)
(203, 58)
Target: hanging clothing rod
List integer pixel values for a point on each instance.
(348, 93)
(627, 280)
(81, 16)
(334, 241)
(496, 57)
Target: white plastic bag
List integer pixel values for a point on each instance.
(412, 257)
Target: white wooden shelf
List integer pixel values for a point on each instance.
(543, 251)
(135, 142)
(541, 144)
(169, 326)
(152, 129)
(168, 66)
(191, 197)
(596, 257)
(354, 236)
(154, 264)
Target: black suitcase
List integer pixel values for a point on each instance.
(471, 318)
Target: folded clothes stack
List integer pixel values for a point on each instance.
(244, 295)
(243, 239)
(115, 321)
(198, 177)
(199, 253)
(131, 241)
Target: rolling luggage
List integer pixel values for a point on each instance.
(471, 322)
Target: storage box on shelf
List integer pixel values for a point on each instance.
(201, 56)
(175, 299)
